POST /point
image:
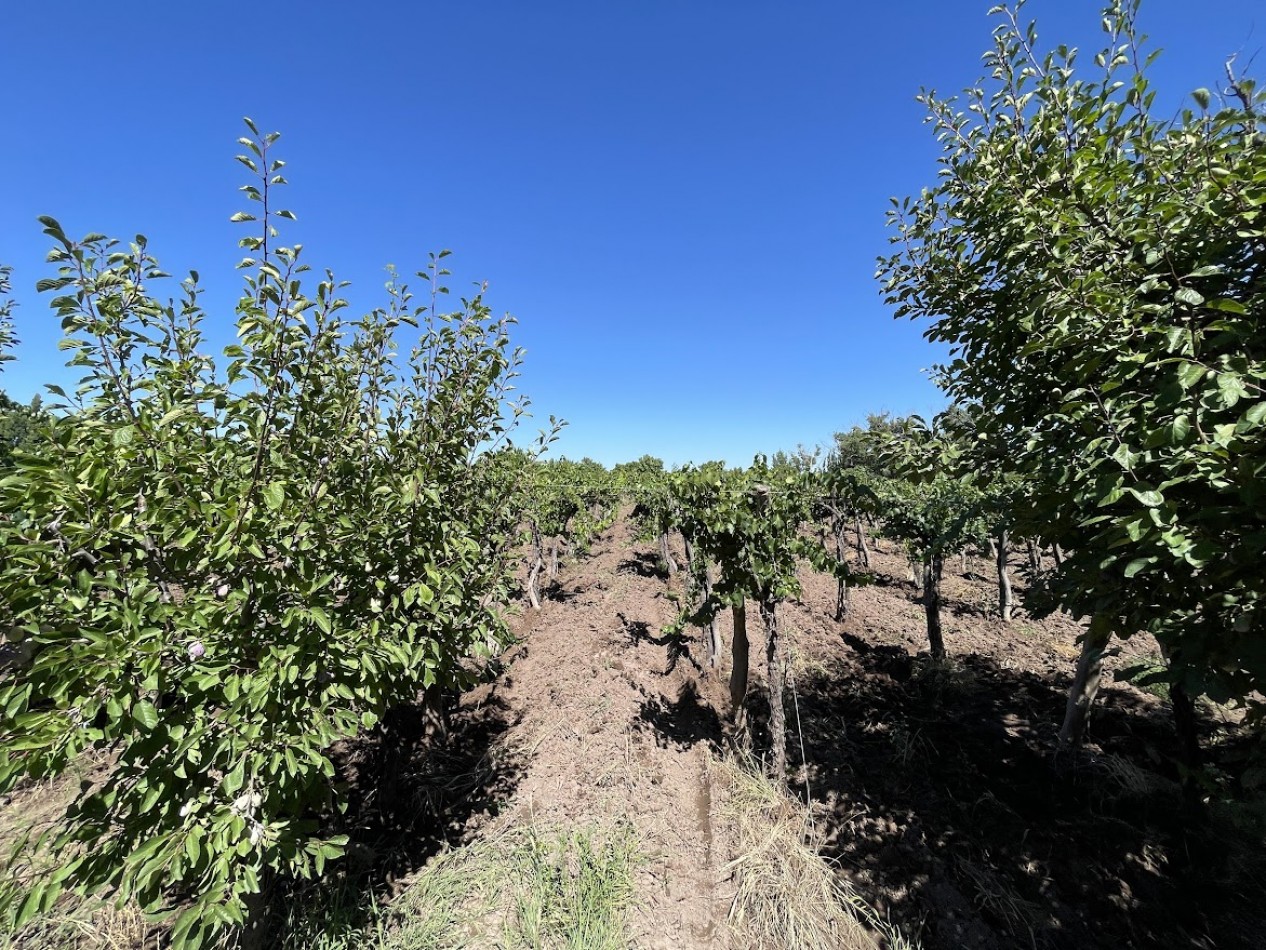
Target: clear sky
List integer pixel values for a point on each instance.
(682, 201)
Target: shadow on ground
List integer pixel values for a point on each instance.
(644, 565)
(943, 806)
(405, 808)
(685, 721)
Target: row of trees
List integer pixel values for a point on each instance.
(566, 504)
(221, 567)
(1096, 263)
(749, 532)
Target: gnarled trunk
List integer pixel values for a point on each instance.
(774, 679)
(711, 638)
(1035, 558)
(534, 575)
(666, 554)
(841, 583)
(739, 651)
(863, 551)
(916, 573)
(1185, 724)
(435, 715)
(712, 632)
(1081, 695)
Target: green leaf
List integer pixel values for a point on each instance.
(274, 495)
(146, 715)
(1226, 305)
(321, 618)
(1150, 497)
(1137, 565)
(1255, 416)
(1189, 374)
(1232, 389)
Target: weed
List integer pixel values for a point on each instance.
(944, 678)
(525, 889)
(787, 895)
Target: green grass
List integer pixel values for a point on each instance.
(574, 892)
(526, 889)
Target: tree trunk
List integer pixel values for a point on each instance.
(1185, 724)
(1058, 555)
(435, 715)
(738, 676)
(1081, 695)
(256, 933)
(1004, 580)
(710, 636)
(774, 678)
(932, 606)
(1185, 720)
(1035, 558)
(863, 551)
(667, 555)
(534, 575)
(841, 583)
(553, 560)
(917, 573)
(401, 729)
(712, 632)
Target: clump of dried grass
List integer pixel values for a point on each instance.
(787, 896)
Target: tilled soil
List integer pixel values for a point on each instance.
(612, 726)
(934, 785)
(931, 785)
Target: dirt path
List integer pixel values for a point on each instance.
(604, 733)
(932, 786)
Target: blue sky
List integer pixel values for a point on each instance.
(680, 200)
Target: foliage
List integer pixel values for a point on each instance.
(1096, 263)
(223, 570)
(571, 500)
(21, 427)
(935, 518)
(929, 502)
(747, 522)
(8, 338)
(629, 476)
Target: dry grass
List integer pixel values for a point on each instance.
(995, 896)
(75, 923)
(787, 896)
(85, 925)
(525, 888)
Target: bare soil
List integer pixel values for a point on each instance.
(934, 785)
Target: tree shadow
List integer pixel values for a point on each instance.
(942, 803)
(677, 645)
(643, 564)
(685, 721)
(440, 793)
